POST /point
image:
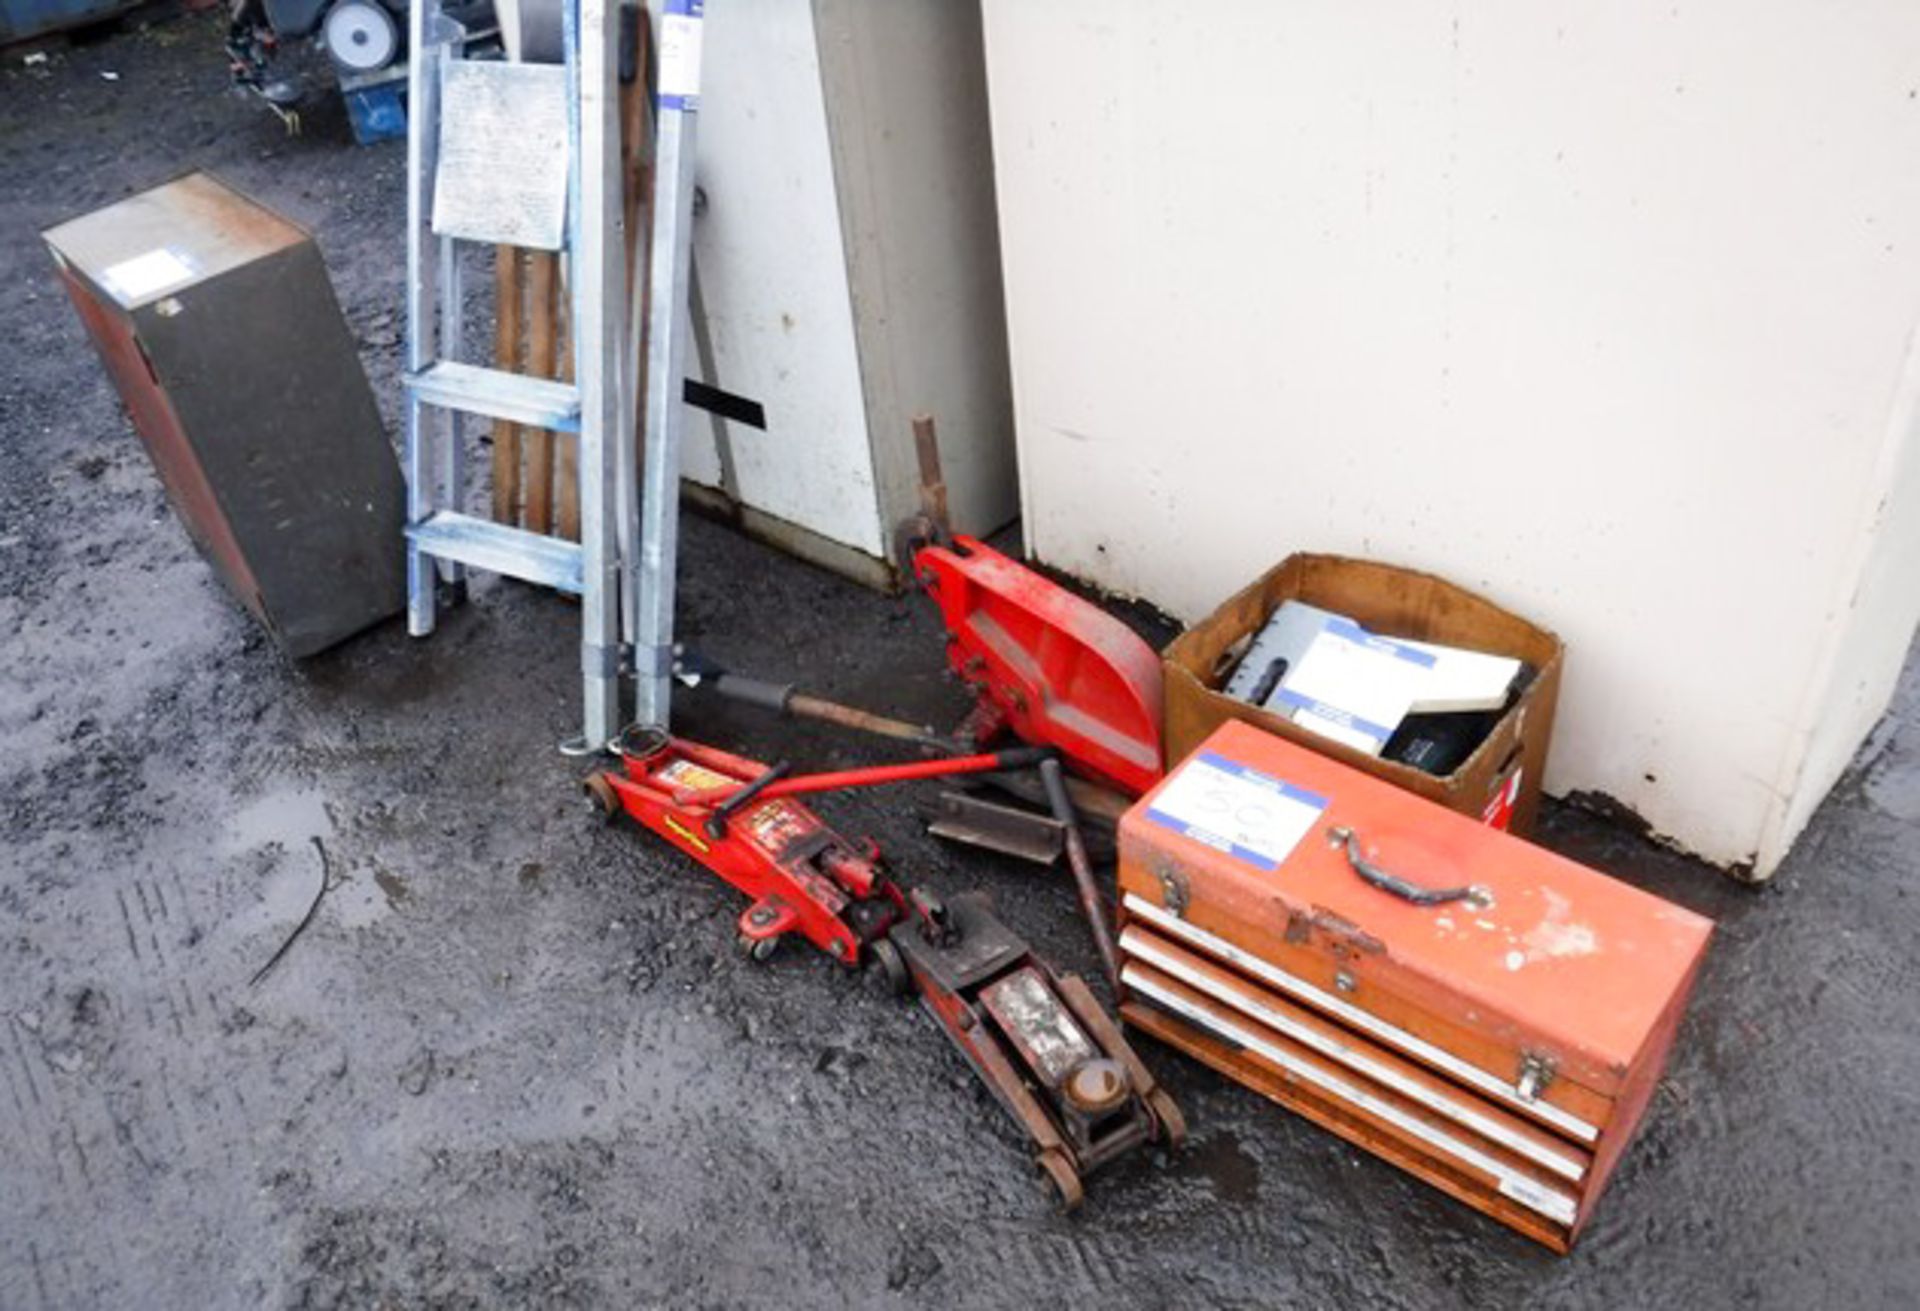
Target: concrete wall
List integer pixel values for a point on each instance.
(1606, 311)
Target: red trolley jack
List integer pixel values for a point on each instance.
(1039, 1040)
(735, 816)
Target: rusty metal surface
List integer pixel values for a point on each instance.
(994, 826)
(982, 945)
(1085, 885)
(862, 721)
(158, 426)
(1097, 1087)
(200, 218)
(1040, 1028)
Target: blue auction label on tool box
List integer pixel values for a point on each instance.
(1251, 816)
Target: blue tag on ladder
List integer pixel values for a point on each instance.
(680, 28)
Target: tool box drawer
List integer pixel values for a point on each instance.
(1475, 1009)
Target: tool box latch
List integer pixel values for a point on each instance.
(1536, 1072)
(1173, 889)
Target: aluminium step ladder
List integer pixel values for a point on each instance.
(604, 567)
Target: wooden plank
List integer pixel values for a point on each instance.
(508, 342)
(566, 451)
(933, 483)
(542, 308)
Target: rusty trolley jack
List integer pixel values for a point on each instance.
(1054, 1060)
(1038, 1039)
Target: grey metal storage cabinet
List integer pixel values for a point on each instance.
(216, 320)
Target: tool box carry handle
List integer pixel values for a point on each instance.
(1405, 889)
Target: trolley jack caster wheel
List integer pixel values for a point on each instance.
(1173, 1125)
(895, 980)
(602, 800)
(1064, 1178)
(756, 949)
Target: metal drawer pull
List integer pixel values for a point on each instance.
(1473, 894)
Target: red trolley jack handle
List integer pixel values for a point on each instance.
(765, 789)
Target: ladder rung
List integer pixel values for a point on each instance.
(500, 549)
(536, 402)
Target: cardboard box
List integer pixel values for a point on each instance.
(1498, 784)
(1472, 1008)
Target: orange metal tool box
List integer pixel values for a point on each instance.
(1474, 1009)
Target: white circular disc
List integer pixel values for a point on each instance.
(361, 36)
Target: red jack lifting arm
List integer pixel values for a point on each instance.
(876, 775)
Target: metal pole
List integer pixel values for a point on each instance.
(1083, 879)
(423, 100)
(627, 456)
(599, 280)
(452, 330)
(680, 35)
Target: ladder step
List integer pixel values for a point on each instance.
(536, 402)
(497, 548)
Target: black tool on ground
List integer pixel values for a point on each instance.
(1054, 1060)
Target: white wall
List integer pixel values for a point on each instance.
(1603, 310)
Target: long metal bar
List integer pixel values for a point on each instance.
(453, 453)
(500, 548)
(841, 780)
(598, 285)
(681, 24)
(423, 140)
(1090, 906)
(632, 379)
